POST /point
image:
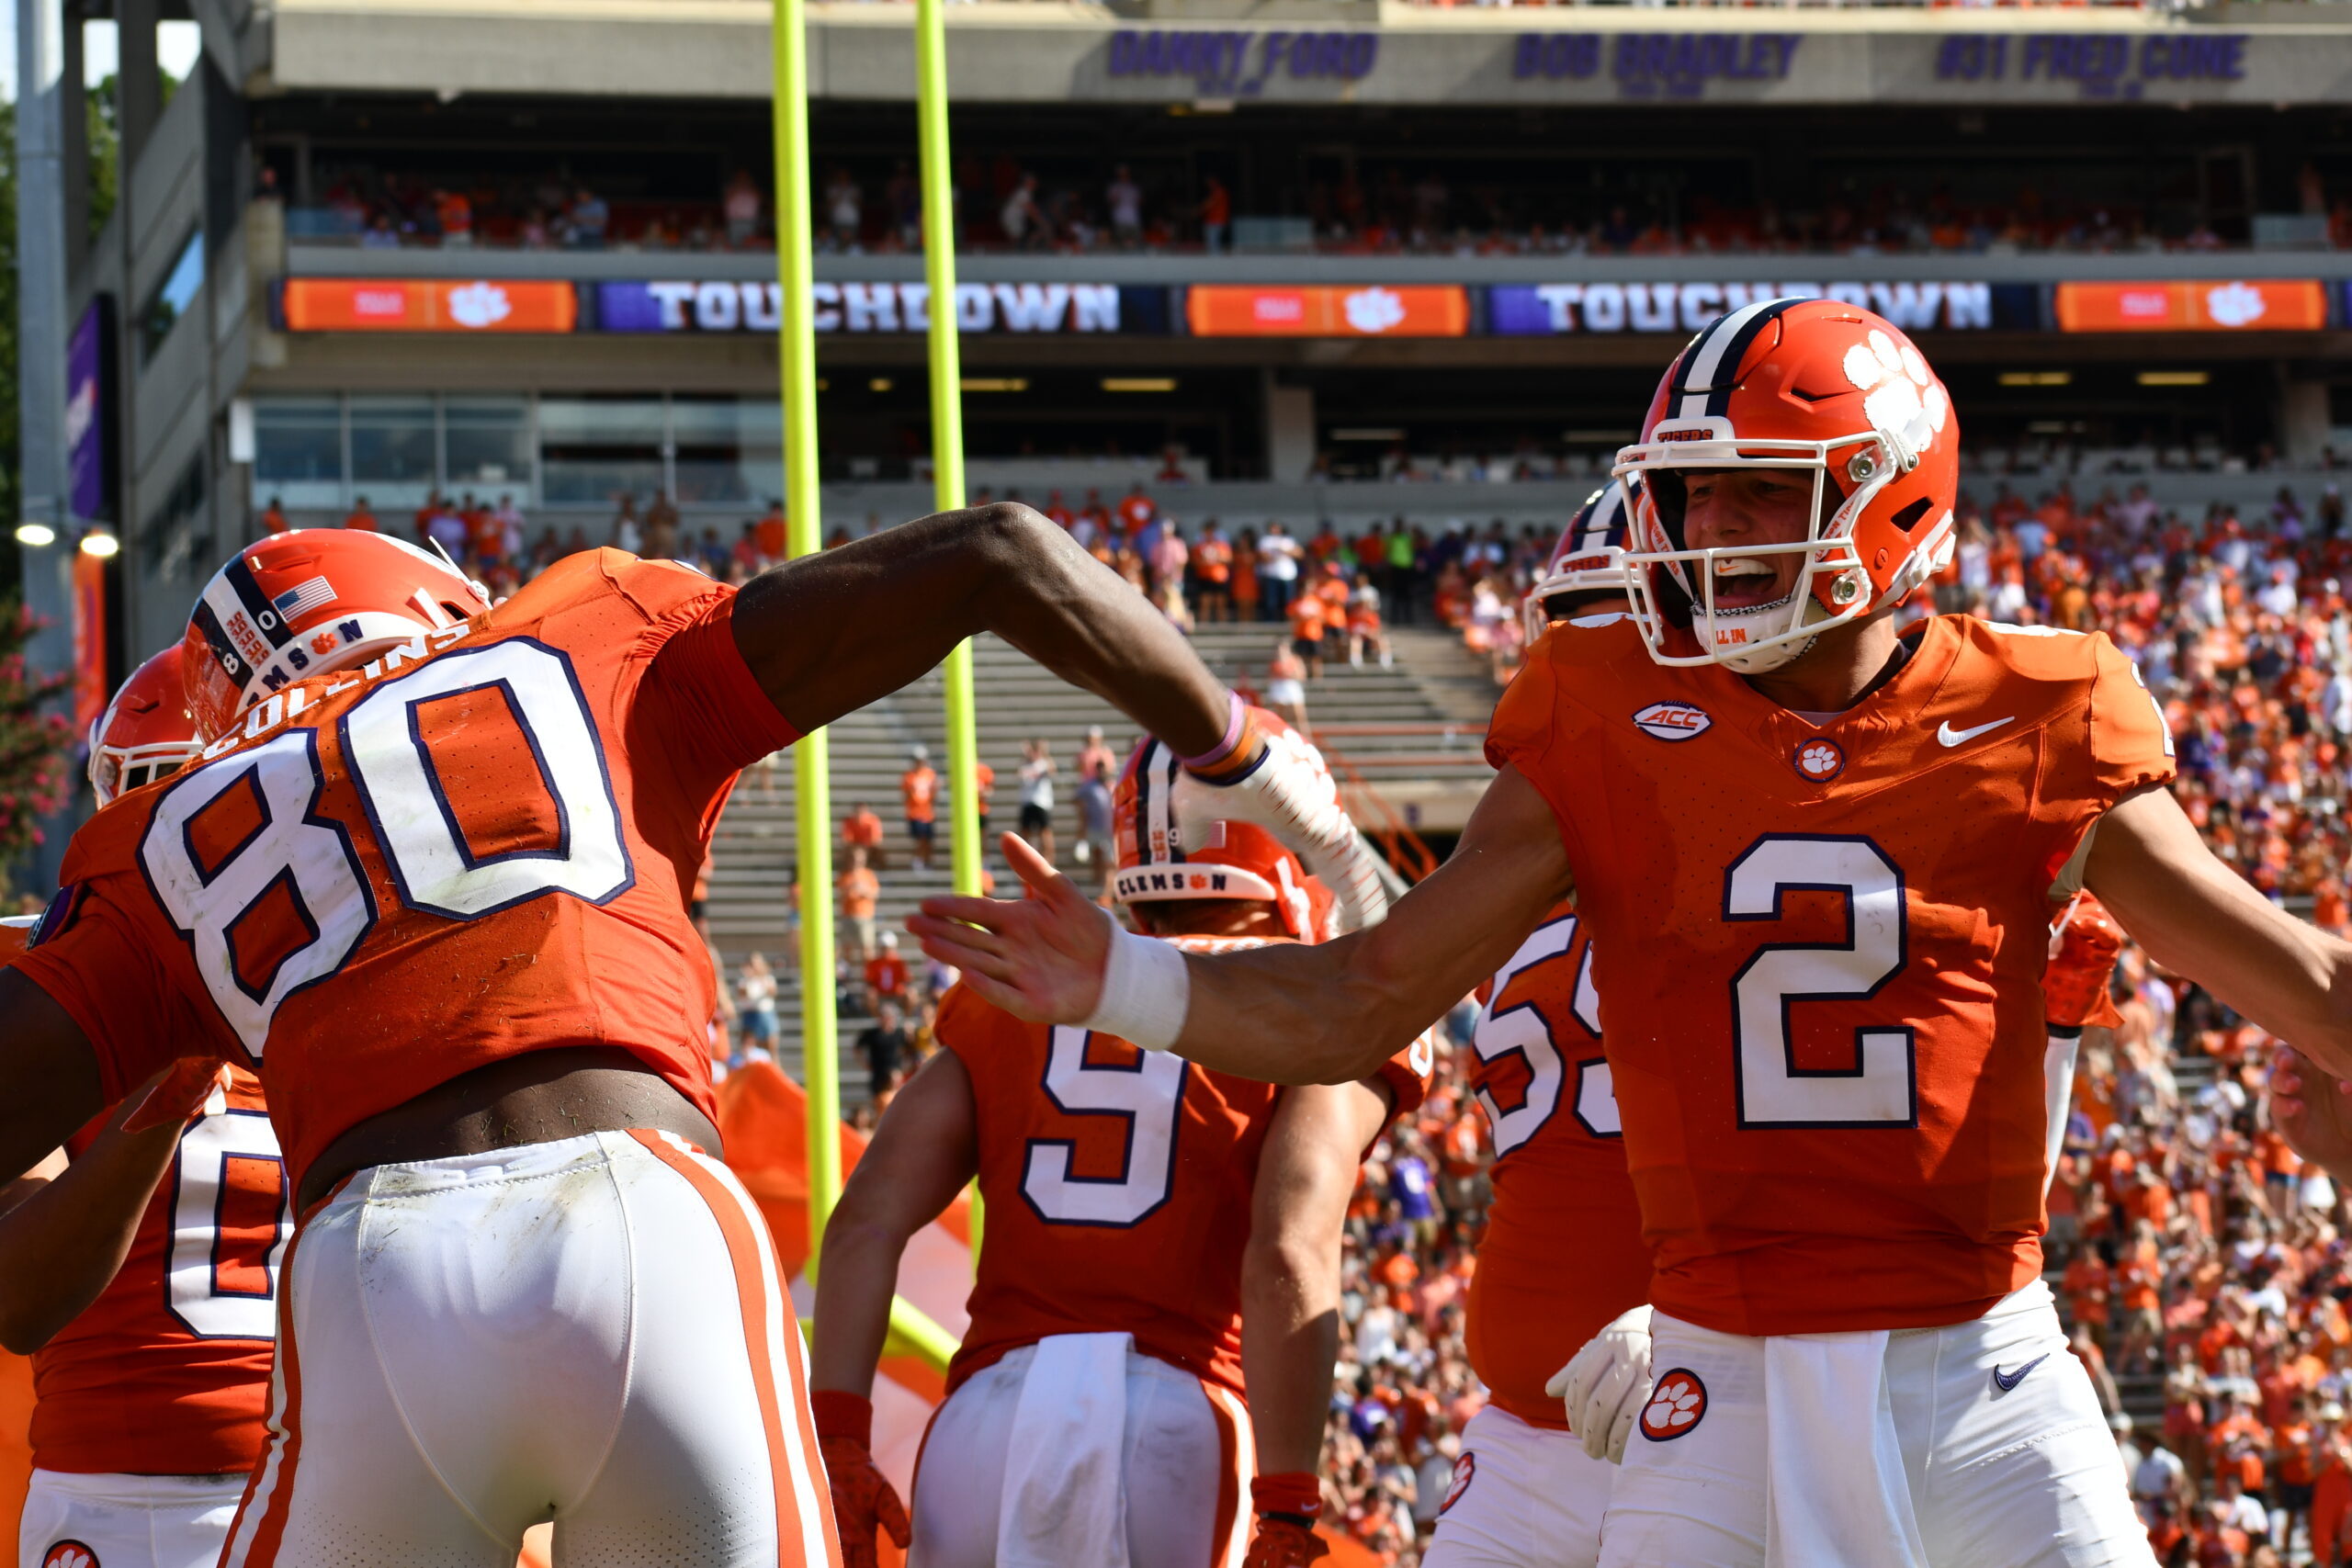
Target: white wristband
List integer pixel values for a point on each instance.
(1145, 991)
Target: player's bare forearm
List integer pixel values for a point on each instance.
(63, 1245)
(924, 1151)
(1334, 1013)
(49, 1076)
(830, 633)
(1290, 1272)
(2198, 917)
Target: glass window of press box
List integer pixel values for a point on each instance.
(322, 453)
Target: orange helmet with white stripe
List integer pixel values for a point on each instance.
(308, 601)
(146, 733)
(1814, 386)
(1162, 858)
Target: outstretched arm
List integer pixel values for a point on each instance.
(925, 1150)
(1284, 1014)
(49, 1076)
(2197, 917)
(829, 633)
(62, 1238)
(1290, 1273)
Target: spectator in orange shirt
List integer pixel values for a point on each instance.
(862, 829)
(984, 791)
(273, 517)
(770, 534)
(2085, 1286)
(361, 518)
(919, 786)
(1306, 633)
(861, 893)
(1212, 574)
(1096, 752)
(1136, 511)
(2294, 1458)
(2331, 1490)
(886, 974)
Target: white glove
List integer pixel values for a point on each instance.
(1607, 1383)
(1291, 795)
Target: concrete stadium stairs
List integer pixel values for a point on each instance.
(1419, 724)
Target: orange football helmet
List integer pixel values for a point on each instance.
(146, 733)
(1161, 857)
(1589, 560)
(1813, 385)
(307, 601)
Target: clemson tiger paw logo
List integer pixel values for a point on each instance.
(69, 1554)
(1902, 396)
(1675, 1407)
(1465, 1470)
(1819, 761)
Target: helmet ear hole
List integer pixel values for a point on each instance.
(1908, 518)
(1669, 493)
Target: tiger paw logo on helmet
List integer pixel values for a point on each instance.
(1676, 1404)
(1902, 397)
(69, 1554)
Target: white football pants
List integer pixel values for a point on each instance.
(1987, 1445)
(126, 1521)
(1523, 1497)
(1184, 1457)
(591, 1331)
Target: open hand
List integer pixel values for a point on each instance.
(2312, 1111)
(174, 1095)
(1041, 957)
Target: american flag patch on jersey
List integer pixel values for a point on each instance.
(304, 597)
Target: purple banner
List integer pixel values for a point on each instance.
(87, 388)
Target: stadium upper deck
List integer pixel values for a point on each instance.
(374, 247)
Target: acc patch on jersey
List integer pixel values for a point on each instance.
(1465, 1470)
(1672, 721)
(69, 1554)
(1820, 760)
(1676, 1404)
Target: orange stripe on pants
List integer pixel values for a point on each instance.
(735, 1223)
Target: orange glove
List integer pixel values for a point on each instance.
(2084, 942)
(864, 1500)
(1286, 1506)
(176, 1096)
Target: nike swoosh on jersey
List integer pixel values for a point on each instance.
(2005, 1383)
(1951, 737)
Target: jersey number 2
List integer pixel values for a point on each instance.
(274, 898)
(1881, 1087)
(1148, 1094)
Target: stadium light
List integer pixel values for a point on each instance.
(101, 543)
(2037, 377)
(36, 535)
(1138, 383)
(989, 384)
(2175, 377)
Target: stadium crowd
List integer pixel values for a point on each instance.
(1003, 205)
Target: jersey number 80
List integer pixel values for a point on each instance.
(238, 856)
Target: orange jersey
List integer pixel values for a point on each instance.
(168, 1372)
(1819, 953)
(1119, 1185)
(921, 788)
(1562, 1254)
(476, 846)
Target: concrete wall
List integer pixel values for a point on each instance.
(1064, 52)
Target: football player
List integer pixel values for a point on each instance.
(1817, 852)
(139, 1270)
(429, 879)
(1563, 1255)
(1163, 1242)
